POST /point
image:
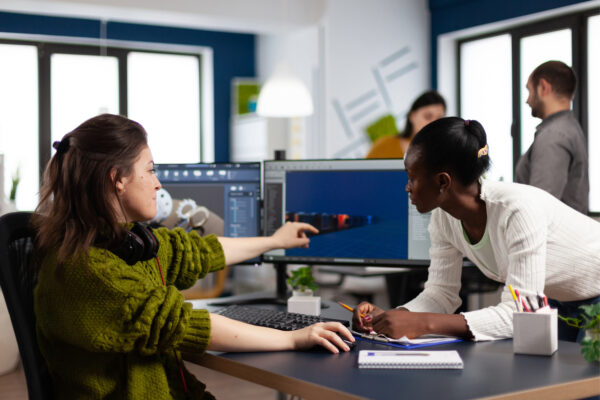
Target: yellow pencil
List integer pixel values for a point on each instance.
(347, 307)
(514, 295)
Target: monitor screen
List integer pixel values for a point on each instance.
(360, 207)
(220, 198)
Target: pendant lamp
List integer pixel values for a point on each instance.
(284, 95)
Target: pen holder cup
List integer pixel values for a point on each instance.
(535, 333)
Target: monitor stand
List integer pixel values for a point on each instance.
(280, 297)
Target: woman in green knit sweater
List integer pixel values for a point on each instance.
(111, 321)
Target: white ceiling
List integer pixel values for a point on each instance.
(252, 16)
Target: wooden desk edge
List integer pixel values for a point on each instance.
(570, 390)
(278, 382)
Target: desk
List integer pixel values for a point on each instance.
(491, 371)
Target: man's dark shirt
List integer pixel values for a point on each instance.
(557, 161)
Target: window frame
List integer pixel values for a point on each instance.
(577, 22)
(113, 48)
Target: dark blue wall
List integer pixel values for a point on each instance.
(233, 53)
(452, 15)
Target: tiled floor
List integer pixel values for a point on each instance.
(13, 386)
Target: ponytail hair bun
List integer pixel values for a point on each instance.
(456, 145)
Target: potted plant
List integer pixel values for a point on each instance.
(302, 282)
(590, 321)
(303, 285)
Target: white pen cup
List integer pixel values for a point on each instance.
(535, 332)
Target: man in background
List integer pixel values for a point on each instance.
(557, 159)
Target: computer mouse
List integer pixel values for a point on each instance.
(348, 342)
(321, 349)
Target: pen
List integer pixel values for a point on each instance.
(530, 304)
(514, 295)
(525, 308)
(521, 301)
(540, 300)
(347, 307)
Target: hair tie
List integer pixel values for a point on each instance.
(467, 121)
(482, 151)
(61, 146)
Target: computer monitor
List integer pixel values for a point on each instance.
(360, 207)
(229, 190)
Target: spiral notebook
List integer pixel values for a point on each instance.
(410, 359)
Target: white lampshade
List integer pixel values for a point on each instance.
(284, 95)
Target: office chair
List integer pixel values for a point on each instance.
(18, 277)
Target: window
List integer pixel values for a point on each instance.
(492, 55)
(168, 104)
(593, 90)
(81, 86)
(509, 56)
(535, 50)
(48, 89)
(19, 121)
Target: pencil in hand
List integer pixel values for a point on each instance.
(347, 307)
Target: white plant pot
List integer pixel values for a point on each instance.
(303, 302)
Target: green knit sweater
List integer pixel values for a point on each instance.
(108, 330)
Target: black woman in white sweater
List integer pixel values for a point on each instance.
(515, 234)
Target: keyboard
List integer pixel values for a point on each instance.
(281, 320)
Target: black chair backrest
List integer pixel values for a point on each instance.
(18, 277)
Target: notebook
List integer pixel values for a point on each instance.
(406, 343)
(410, 359)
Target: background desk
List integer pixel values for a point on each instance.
(405, 283)
(491, 370)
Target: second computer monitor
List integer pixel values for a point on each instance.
(360, 207)
(229, 191)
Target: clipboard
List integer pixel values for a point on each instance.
(405, 343)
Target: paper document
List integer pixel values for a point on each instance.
(409, 359)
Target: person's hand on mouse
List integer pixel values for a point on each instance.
(326, 334)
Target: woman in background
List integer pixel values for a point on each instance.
(111, 322)
(515, 234)
(425, 109)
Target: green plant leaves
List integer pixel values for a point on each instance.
(302, 279)
(591, 316)
(590, 348)
(590, 321)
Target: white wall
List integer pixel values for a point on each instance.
(364, 41)
(341, 61)
(300, 50)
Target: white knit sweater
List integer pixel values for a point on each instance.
(540, 245)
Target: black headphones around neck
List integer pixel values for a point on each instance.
(139, 245)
